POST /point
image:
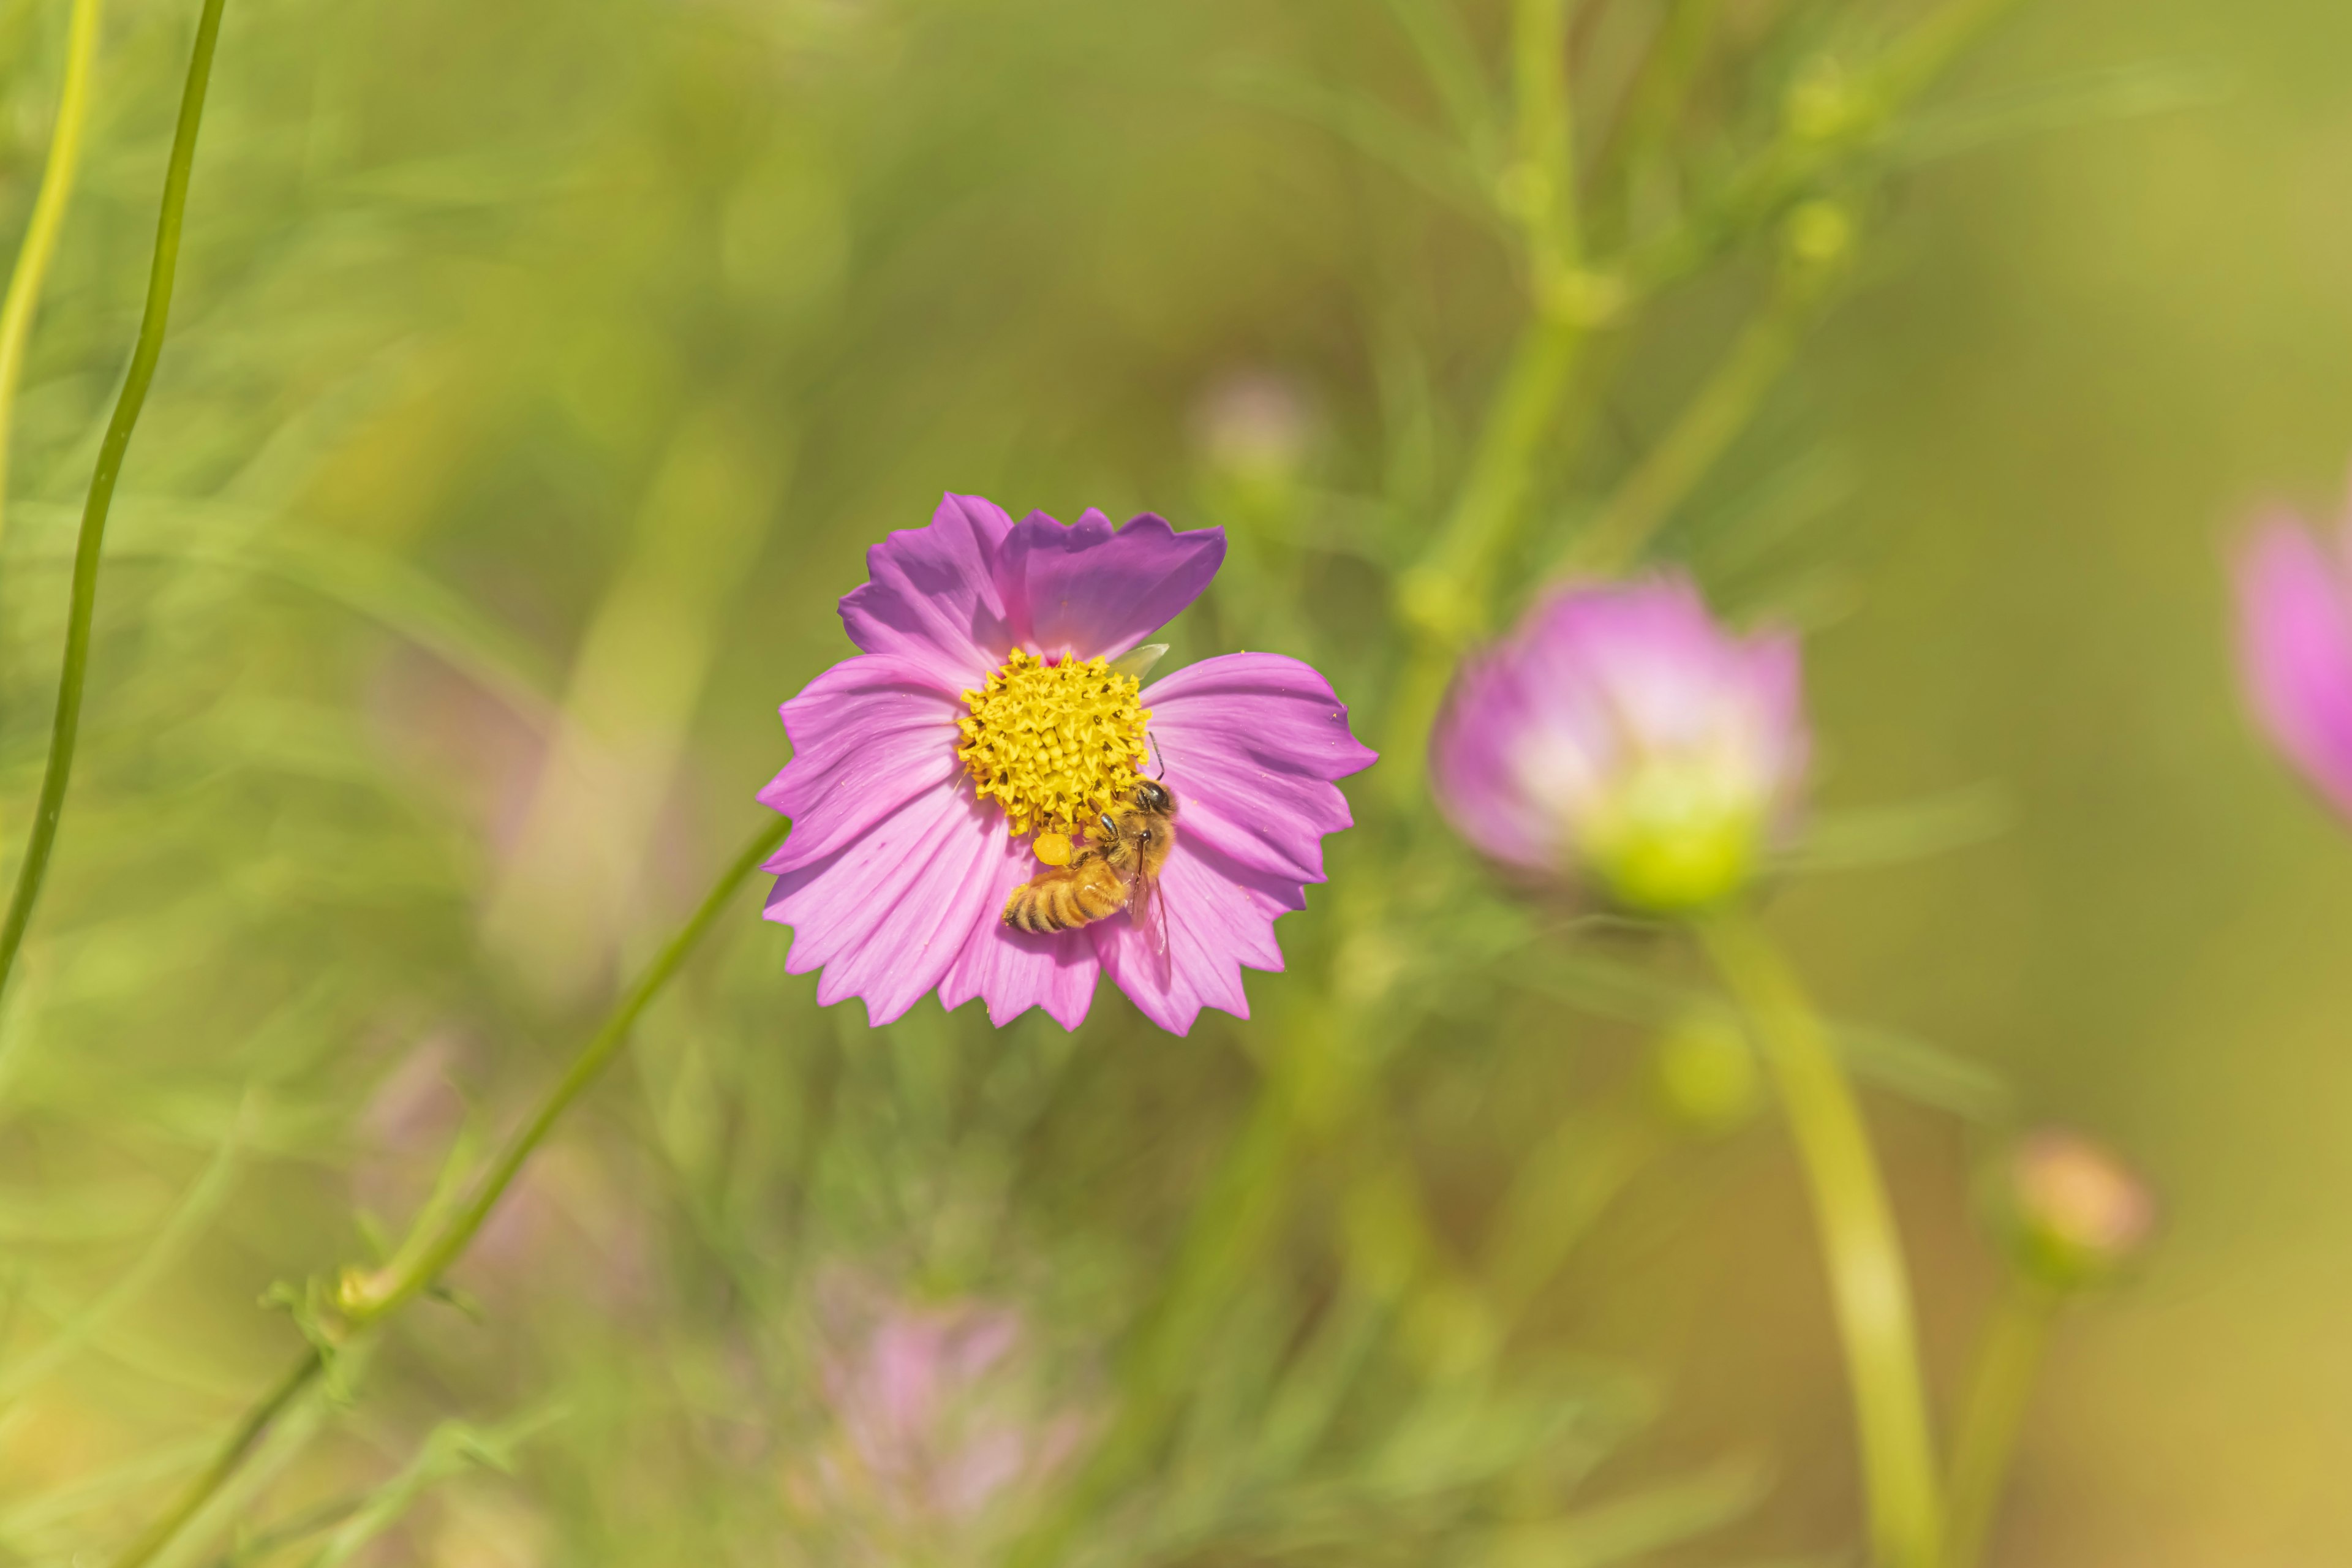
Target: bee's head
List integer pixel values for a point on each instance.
(1153, 795)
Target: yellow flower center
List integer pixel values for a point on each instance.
(1055, 742)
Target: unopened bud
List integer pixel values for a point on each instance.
(2076, 1212)
(1819, 232)
(1705, 1072)
(1823, 102)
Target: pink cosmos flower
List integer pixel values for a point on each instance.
(2294, 647)
(986, 721)
(1620, 734)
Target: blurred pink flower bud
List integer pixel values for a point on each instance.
(2076, 1212)
(1254, 425)
(1622, 736)
(2294, 647)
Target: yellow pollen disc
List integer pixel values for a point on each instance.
(1057, 743)
(1052, 848)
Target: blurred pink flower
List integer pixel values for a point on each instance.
(1622, 735)
(938, 1431)
(1254, 425)
(2294, 647)
(986, 707)
(2078, 1212)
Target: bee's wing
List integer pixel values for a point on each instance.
(1148, 909)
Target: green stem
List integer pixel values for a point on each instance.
(1443, 597)
(368, 1299)
(1708, 425)
(250, 1430)
(1868, 1286)
(1646, 119)
(40, 243)
(1542, 191)
(149, 349)
(2000, 1385)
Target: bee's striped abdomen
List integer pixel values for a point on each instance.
(1063, 899)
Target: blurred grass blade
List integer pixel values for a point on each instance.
(1893, 835)
(2065, 103)
(1637, 1526)
(32, 1528)
(1901, 1062)
(449, 1450)
(1450, 56)
(1425, 160)
(23, 297)
(381, 588)
(194, 1212)
(145, 355)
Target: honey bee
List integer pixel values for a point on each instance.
(1117, 870)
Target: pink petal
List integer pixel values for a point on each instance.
(868, 735)
(1090, 591)
(1221, 916)
(1252, 741)
(1473, 773)
(886, 915)
(1013, 970)
(2295, 638)
(932, 594)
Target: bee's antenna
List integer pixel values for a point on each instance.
(1153, 742)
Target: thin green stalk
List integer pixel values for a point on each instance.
(1713, 419)
(149, 349)
(393, 1288)
(1443, 598)
(367, 1300)
(40, 243)
(250, 1430)
(1869, 1288)
(1844, 126)
(1541, 190)
(1561, 1190)
(1646, 117)
(2000, 1386)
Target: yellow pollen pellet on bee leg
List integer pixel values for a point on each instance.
(1052, 848)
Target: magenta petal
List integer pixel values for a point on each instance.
(932, 594)
(886, 916)
(1473, 773)
(1221, 916)
(2294, 631)
(1090, 591)
(868, 735)
(1014, 971)
(1251, 742)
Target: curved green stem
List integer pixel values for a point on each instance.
(1691, 447)
(67, 727)
(422, 1261)
(40, 243)
(1869, 1288)
(367, 1300)
(2000, 1385)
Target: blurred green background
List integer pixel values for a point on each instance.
(539, 375)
